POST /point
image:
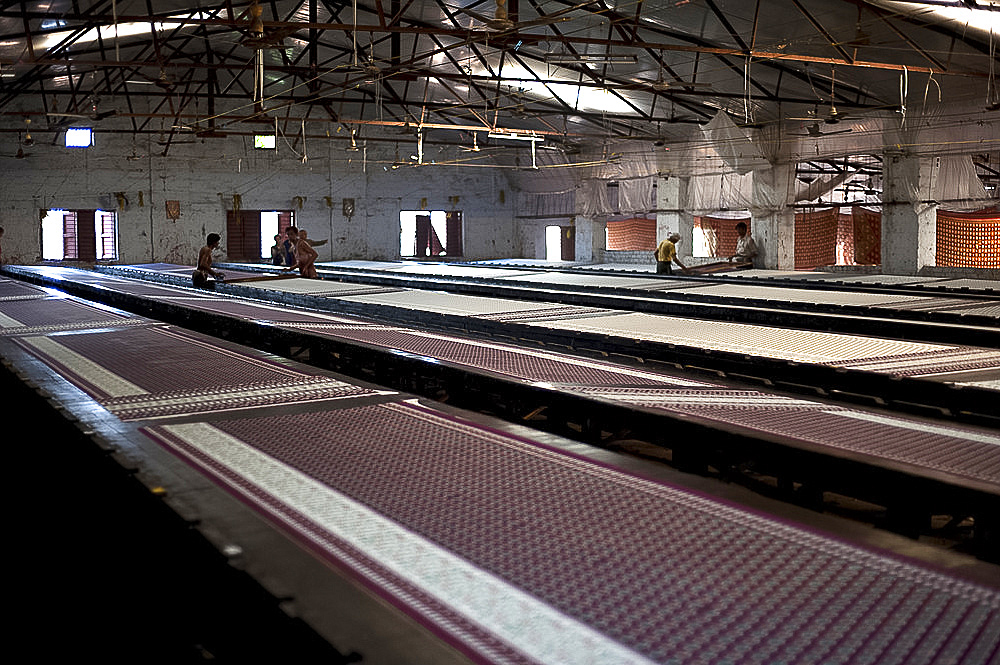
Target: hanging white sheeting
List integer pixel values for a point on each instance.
(592, 198)
(635, 195)
(711, 193)
(958, 188)
(720, 158)
(554, 204)
(733, 144)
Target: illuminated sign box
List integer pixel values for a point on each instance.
(263, 141)
(79, 137)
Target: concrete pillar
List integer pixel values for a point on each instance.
(533, 242)
(772, 217)
(589, 239)
(672, 214)
(909, 227)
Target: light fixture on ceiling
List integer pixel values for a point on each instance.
(354, 144)
(256, 22)
(589, 58)
(514, 136)
(164, 81)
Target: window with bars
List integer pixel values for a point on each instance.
(107, 245)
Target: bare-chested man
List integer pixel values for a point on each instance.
(204, 270)
(305, 255)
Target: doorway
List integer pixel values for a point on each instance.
(433, 233)
(250, 233)
(560, 243)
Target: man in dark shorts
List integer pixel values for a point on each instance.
(204, 270)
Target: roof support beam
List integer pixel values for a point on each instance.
(507, 39)
(728, 26)
(847, 57)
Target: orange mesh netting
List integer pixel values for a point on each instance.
(968, 240)
(632, 234)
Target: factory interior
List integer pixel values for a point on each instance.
(451, 332)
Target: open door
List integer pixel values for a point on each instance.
(567, 249)
(434, 233)
(242, 241)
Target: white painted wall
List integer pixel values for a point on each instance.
(205, 175)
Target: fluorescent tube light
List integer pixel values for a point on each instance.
(588, 58)
(512, 136)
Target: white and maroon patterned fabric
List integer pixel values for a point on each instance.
(520, 554)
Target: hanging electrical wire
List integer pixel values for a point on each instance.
(114, 18)
(747, 99)
(992, 91)
(904, 88)
(930, 79)
(305, 156)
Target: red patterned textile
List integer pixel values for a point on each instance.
(816, 238)
(720, 233)
(845, 239)
(968, 240)
(632, 234)
(867, 236)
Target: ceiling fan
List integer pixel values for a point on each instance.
(866, 189)
(814, 130)
(518, 109)
(833, 116)
(256, 37)
(501, 21)
(564, 145)
(374, 69)
(369, 65)
(472, 148)
(664, 85)
(164, 141)
(673, 118)
(661, 85)
(94, 114)
(163, 81)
